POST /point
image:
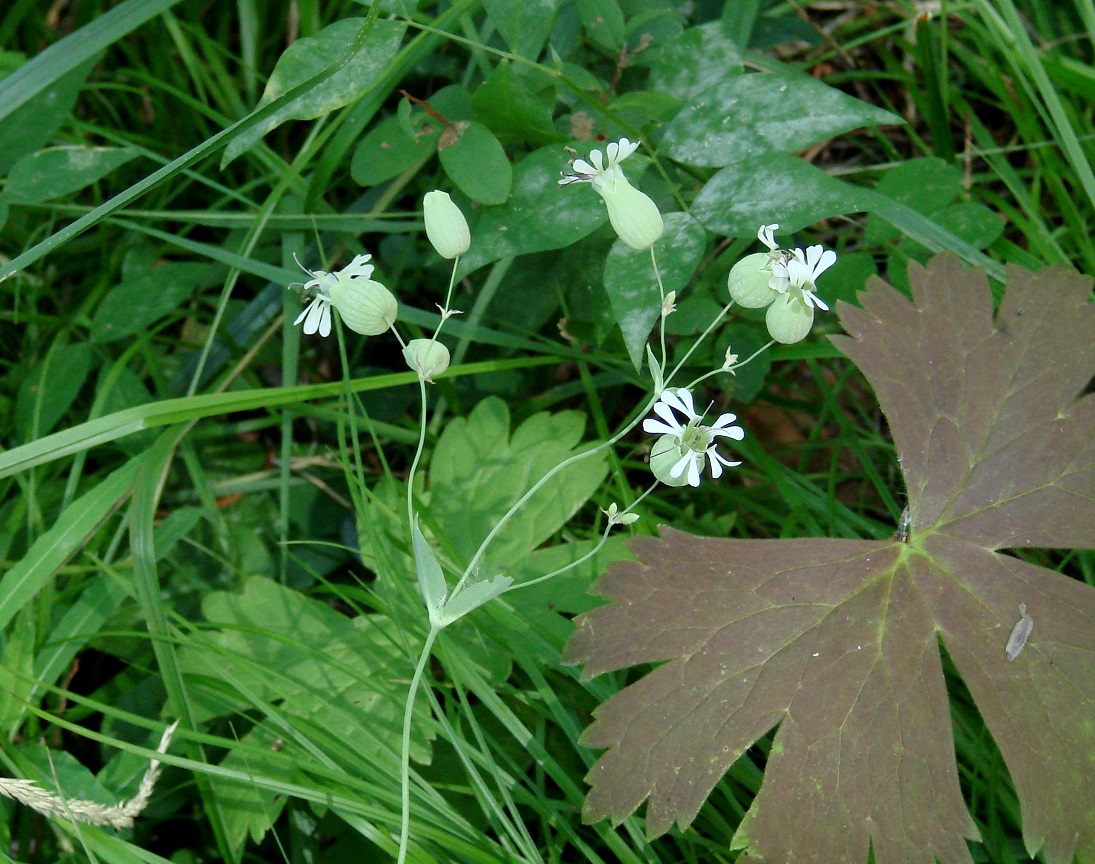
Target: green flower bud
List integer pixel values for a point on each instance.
(789, 319)
(426, 357)
(445, 225)
(366, 306)
(666, 453)
(748, 281)
(634, 216)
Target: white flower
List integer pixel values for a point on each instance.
(796, 270)
(366, 306)
(681, 452)
(636, 218)
(600, 173)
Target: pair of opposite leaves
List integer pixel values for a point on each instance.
(836, 641)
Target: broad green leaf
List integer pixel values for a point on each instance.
(777, 188)
(71, 530)
(51, 388)
(335, 677)
(139, 302)
(603, 20)
(753, 116)
(836, 642)
(60, 171)
(699, 58)
(311, 55)
(479, 471)
(633, 287)
(507, 105)
(26, 127)
(524, 24)
(387, 151)
(475, 162)
(538, 216)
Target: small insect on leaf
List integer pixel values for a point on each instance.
(1019, 634)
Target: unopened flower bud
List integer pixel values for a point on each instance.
(789, 318)
(748, 281)
(426, 357)
(445, 225)
(367, 307)
(634, 216)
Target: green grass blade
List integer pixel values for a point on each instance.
(62, 57)
(60, 542)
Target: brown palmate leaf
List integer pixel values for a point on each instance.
(836, 641)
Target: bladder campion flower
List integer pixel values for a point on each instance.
(634, 216)
(683, 449)
(366, 306)
(446, 227)
(783, 280)
(794, 276)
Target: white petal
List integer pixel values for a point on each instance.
(717, 457)
(656, 427)
(765, 236)
(598, 163)
(724, 420)
(818, 260)
(694, 469)
(664, 411)
(580, 166)
(681, 399)
(626, 148)
(304, 312)
(716, 464)
(678, 467)
(315, 314)
(325, 320)
(613, 152)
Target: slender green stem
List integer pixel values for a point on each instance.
(661, 294)
(405, 767)
(591, 552)
(577, 457)
(417, 452)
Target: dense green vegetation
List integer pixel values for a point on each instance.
(203, 511)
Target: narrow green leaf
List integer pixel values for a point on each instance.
(430, 577)
(72, 52)
(472, 597)
(50, 551)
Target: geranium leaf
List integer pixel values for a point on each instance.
(836, 642)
